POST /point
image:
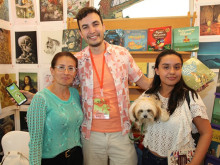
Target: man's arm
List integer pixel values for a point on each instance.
(144, 82)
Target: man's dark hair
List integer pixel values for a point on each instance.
(85, 11)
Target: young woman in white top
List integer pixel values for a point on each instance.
(175, 134)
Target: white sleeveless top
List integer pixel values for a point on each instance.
(175, 134)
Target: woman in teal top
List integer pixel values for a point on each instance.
(54, 117)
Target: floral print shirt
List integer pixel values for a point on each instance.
(122, 67)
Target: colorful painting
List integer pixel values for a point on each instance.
(209, 54)
(24, 8)
(5, 46)
(73, 6)
(210, 20)
(111, 9)
(6, 79)
(28, 82)
(71, 40)
(51, 10)
(4, 12)
(26, 47)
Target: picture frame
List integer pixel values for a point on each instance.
(208, 19)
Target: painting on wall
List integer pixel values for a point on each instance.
(71, 41)
(26, 47)
(209, 54)
(4, 11)
(51, 10)
(208, 18)
(50, 44)
(46, 78)
(111, 9)
(5, 46)
(5, 80)
(28, 82)
(73, 6)
(24, 9)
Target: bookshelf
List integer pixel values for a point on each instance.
(144, 23)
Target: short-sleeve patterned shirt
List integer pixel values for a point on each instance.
(123, 69)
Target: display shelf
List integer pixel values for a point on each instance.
(144, 23)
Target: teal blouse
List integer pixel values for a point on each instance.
(53, 124)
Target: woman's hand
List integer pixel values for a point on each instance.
(28, 94)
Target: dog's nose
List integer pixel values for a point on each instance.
(145, 116)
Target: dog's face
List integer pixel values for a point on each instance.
(146, 110)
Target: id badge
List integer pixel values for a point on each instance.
(101, 108)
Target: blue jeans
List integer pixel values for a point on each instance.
(151, 159)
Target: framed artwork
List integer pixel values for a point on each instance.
(208, 19)
(4, 10)
(5, 80)
(28, 82)
(26, 47)
(5, 46)
(51, 10)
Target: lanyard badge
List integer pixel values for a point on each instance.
(101, 105)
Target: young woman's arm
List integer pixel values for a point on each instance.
(205, 131)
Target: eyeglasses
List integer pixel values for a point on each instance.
(70, 69)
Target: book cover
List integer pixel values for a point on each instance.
(214, 148)
(186, 39)
(180, 157)
(136, 40)
(159, 38)
(115, 36)
(150, 70)
(143, 67)
(216, 112)
(218, 84)
(196, 74)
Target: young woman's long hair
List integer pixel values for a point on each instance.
(177, 95)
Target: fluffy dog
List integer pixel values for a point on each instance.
(145, 110)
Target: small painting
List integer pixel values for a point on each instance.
(51, 10)
(5, 46)
(28, 82)
(26, 47)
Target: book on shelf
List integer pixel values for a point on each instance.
(214, 148)
(115, 36)
(196, 74)
(159, 38)
(180, 157)
(135, 40)
(218, 84)
(150, 69)
(186, 39)
(143, 67)
(216, 111)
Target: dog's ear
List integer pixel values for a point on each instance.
(135, 117)
(163, 114)
(158, 114)
(131, 112)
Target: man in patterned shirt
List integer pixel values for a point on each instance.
(104, 71)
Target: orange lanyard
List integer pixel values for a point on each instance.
(94, 66)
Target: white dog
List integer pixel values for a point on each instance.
(145, 110)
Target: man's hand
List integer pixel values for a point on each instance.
(29, 96)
